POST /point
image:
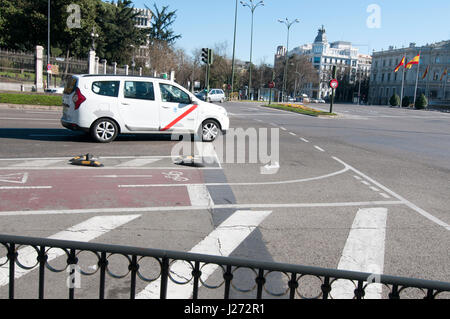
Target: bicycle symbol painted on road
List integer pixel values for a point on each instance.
(176, 176)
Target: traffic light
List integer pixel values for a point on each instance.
(205, 55)
(210, 57)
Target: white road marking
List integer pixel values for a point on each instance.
(284, 129)
(199, 195)
(24, 187)
(124, 176)
(319, 148)
(127, 210)
(28, 119)
(304, 140)
(385, 195)
(374, 189)
(138, 162)
(37, 163)
(365, 183)
(16, 178)
(357, 177)
(403, 200)
(363, 252)
(293, 134)
(84, 232)
(295, 181)
(221, 242)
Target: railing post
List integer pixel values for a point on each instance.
(12, 255)
(260, 281)
(103, 263)
(133, 268)
(164, 278)
(42, 259)
(228, 277)
(196, 273)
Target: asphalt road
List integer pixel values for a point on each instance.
(365, 191)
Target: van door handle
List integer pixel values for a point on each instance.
(123, 103)
(165, 106)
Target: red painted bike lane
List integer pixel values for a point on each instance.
(93, 188)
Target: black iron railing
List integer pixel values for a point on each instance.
(292, 274)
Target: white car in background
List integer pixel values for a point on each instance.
(216, 95)
(108, 105)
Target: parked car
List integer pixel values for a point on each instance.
(108, 105)
(55, 90)
(321, 101)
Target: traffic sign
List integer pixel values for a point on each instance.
(49, 67)
(271, 85)
(334, 84)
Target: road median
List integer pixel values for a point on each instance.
(299, 108)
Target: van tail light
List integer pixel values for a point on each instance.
(78, 98)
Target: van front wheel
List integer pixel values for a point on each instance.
(210, 130)
(104, 131)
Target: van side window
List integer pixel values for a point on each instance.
(139, 90)
(106, 88)
(172, 94)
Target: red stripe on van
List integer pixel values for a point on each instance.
(178, 119)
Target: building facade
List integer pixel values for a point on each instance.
(324, 55)
(143, 21)
(434, 83)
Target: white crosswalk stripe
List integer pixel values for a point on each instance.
(83, 232)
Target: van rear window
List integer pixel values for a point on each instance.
(70, 86)
(106, 88)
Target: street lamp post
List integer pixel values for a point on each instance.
(234, 48)
(48, 44)
(252, 6)
(288, 25)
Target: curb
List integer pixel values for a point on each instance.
(30, 107)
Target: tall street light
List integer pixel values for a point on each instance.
(288, 25)
(252, 6)
(48, 44)
(234, 48)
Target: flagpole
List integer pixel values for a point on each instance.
(445, 83)
(403, 83)
(417, 79)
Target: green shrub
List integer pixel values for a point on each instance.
(421, 102)
(395, 100)
(406, 102)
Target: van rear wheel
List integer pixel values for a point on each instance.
(104, 131)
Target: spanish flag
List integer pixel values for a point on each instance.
(443, 74)
(415, 60)
(402, 62)
(425, 73)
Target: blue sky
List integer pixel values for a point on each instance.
(204, 23)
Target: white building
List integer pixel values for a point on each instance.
(324, 55)
(143, 21)
(435, 84)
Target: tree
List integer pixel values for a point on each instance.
(162, 21)
(395, 100)
(421, 102)
(118, 33)
(406, 102)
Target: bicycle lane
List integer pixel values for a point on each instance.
(38, 190)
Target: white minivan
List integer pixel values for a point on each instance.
(108, 105)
